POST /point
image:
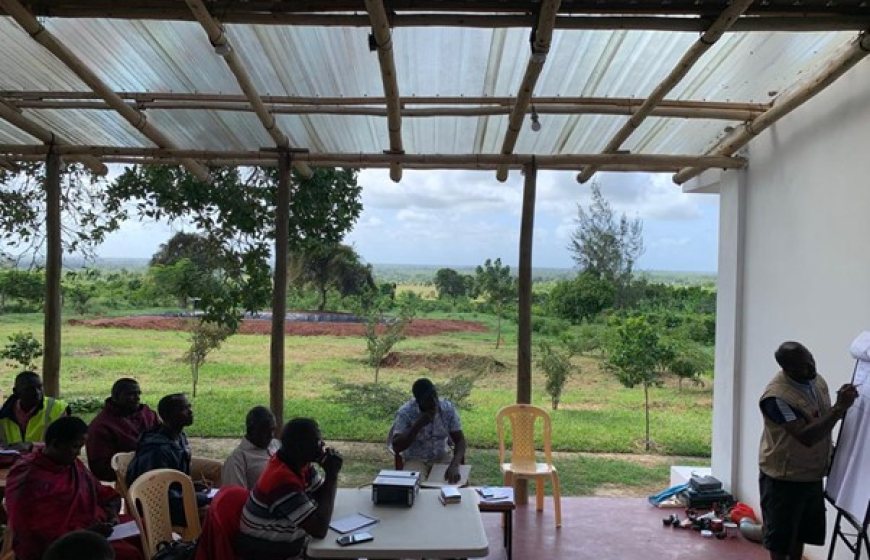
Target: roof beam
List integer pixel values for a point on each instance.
(481, 161)
(136, 118)
(691, 56)
(542, 34)
(14, 117)
(145, 97)
(384, 41)
(847, 57)
(221, 43)
(8, 165)
(688, 111)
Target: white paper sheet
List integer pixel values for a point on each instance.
(124, 530)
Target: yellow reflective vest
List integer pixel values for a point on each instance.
(51, 410)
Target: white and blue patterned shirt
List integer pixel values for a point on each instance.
(431, 442)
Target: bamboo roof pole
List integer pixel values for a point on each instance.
(378, 159)
(819, 21)
(138, 119)
(36, 130)
(384, 41)
(218, 38)
(542, 35)
(21, 98)
(8, 165)
(682, 112)
(848, 56)
(725, 20)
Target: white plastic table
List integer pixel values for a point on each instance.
(428, 529)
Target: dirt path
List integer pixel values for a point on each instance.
(417, 327)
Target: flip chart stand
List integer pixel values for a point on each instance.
(859, 535)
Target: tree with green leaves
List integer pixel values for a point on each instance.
(326, 265)
(557, 367)
(22, 350)
(689, 362)
(237, 211)
(582, 298)
(638, 356)
(382, 333)
(204, 337)
(22, 285)
(201, 250)
(450, 284)
(495, 282)
(606, 246)
(87, 215)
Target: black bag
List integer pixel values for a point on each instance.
(705, 484)
(175, 550)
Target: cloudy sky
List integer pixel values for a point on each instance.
(464, 217)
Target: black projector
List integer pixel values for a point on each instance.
(397, 488)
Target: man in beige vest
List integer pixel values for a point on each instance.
(795, 451)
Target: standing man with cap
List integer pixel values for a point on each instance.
(795, 451)
(422, 427)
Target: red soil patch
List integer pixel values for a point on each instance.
(418, 327)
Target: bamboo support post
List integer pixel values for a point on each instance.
(847, 57)
(524, 307)
(218, 38)
(15, 118)
(136, 118)
(725, 20)
(53, 264)
(384, 41)
(542, 35)
(279, 290)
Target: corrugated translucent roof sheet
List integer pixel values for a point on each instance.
(153, 56)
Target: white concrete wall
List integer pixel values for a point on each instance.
(801, 270)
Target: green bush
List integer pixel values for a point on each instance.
(549, 326)
(22, 350)
(375, 401)
(557, 369)
(84, 405)
(582, 298)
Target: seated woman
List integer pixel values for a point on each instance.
(50, 493)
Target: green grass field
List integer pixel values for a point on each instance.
(597, 414)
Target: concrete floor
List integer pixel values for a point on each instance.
(605, 528)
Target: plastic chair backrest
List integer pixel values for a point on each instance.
(149, 497)
(119, 464)
(522, 418)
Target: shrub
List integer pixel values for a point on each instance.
(458, 390)
(375, 401)
(204, 337)
(557, 368)
(582, 298)
(83, 405)
(378, 345)
(22, 350)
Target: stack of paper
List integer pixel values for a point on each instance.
(494, 494)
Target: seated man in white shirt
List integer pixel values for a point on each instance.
(423, 427)
(247, 461)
